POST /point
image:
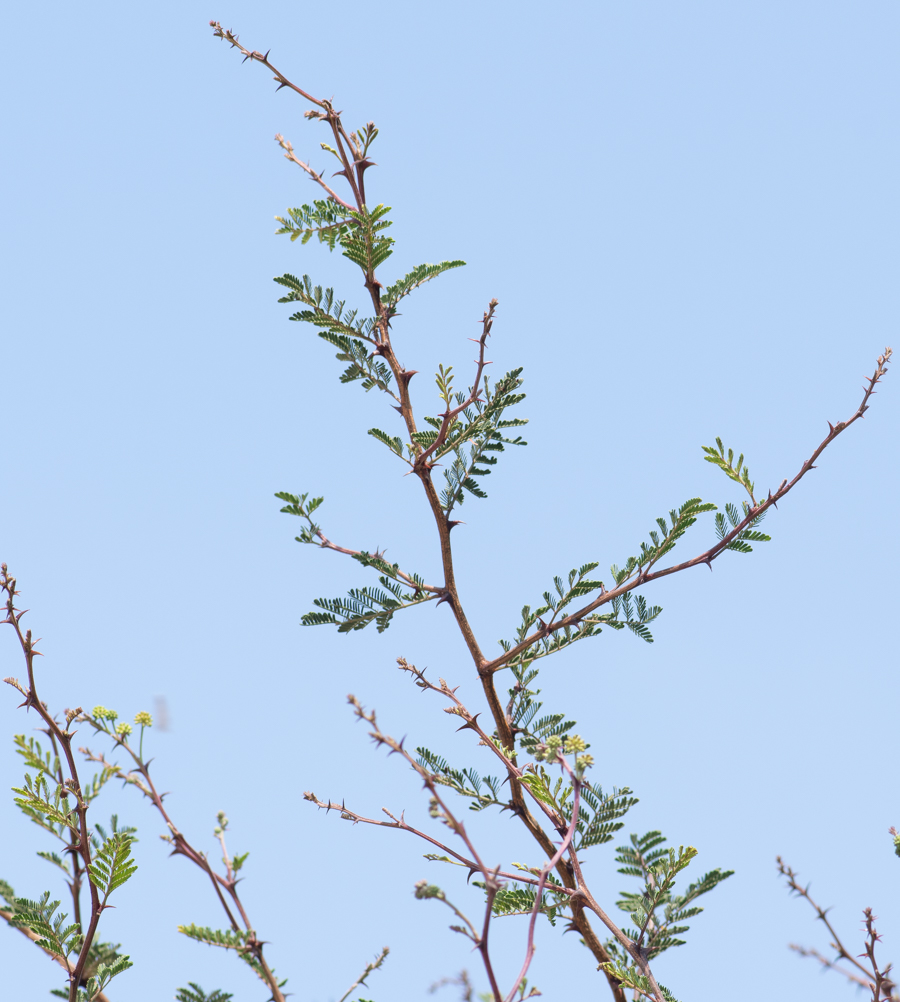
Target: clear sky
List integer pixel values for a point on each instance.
(689, 215)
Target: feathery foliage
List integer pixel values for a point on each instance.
(363, 606)
(658, 913)
(414, 279)
(195, 993)
(737, 472)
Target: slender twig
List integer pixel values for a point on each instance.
(183, 847)
(882, 986)
(452, 413)
(361, 980)
(441, 810)
(289, 154)
(545, 873)
(639, 956)
(462, 980)
(515, 775)
(401, 824)
(576, 890)
(226, 859)
(831, 965)
(708, 556)
(821, 914)
(426, 891)
(327, 544)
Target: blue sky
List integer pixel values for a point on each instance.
(689, 215)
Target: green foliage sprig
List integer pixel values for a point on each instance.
(657, 912)
(196, 994)
(737, 472)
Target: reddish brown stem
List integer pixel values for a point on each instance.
(183, 848)
(545, 873)
(27, 644)
(708, 556)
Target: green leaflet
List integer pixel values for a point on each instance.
(518, 899)
(598, 814)
(102, 977)
(421, 274)
(657, 912)
(297, 505)
(7, 893)
(326, 312)
(35, 757)
(476, 436)
(112, 865)
(370, 369)
(664, 541)
(394, 443)
(51, 928)
(364, 245)
(104, 962)
(98, 838)
(626, 611)
(538, 786)
(365, 605)
(483, 792)
(632, 979)
(196, 994)
(226, 938)
(49, 810)
(741, 542)
(325, 219)
(737, 472)
(56, 860)
(341, 328)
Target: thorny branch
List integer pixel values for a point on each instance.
(708, 556)
(140, 778)
(871, 977)
(441, 811)
(326, 544)
(451, 414)
(72, 787)
(548, 867)
(361, 980)
(575, 888)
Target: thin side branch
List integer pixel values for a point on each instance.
(871, 977)
(140, 778)
(708, 556)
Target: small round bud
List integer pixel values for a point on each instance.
(123, 729)
(143, 719)
(575, 743)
